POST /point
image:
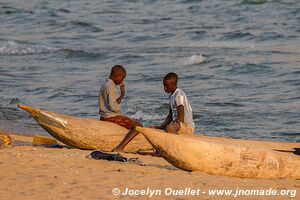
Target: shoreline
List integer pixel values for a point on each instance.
(36, 172)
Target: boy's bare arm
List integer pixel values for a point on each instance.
(167, 121)
(122, 88)
(180, 112)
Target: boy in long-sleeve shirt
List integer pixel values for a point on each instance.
(110, 104)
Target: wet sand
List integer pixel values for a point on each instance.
(35, 172)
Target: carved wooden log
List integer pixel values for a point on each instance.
(222, 158)
(85, 133)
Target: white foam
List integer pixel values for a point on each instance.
(141, 116)
(192, 60)
(15, 48)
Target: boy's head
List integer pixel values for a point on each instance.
(117, 74)
(170, 82)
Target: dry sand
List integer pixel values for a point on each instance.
(31, 172)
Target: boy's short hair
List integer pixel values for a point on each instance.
(171, 76)
(117, 69)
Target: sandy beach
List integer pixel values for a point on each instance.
(36, 172)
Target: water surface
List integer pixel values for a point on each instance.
(56, 54)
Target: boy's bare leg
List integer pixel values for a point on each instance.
(173, 127)
(130, 135)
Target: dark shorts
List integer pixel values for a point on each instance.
(121, 120)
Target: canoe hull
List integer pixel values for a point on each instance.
(85, 133)
(220, 158)
(279, 146)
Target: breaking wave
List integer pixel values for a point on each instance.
(192, 60)
(16, 48)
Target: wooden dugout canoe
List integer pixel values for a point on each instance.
(277, 146)
(221, 158)
(85, 133)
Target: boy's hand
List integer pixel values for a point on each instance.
(122, 88)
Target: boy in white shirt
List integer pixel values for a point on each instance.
(180, 118)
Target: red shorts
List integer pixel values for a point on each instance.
(121, 120)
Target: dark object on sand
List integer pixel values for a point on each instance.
(297, 151)
(149, 153)
(99, 155)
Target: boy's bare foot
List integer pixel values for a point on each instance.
(155, 154)
(117, 150)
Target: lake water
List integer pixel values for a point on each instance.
(238, 61)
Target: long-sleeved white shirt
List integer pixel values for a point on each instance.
(108, 95)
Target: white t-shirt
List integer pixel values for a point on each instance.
(179, 98)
